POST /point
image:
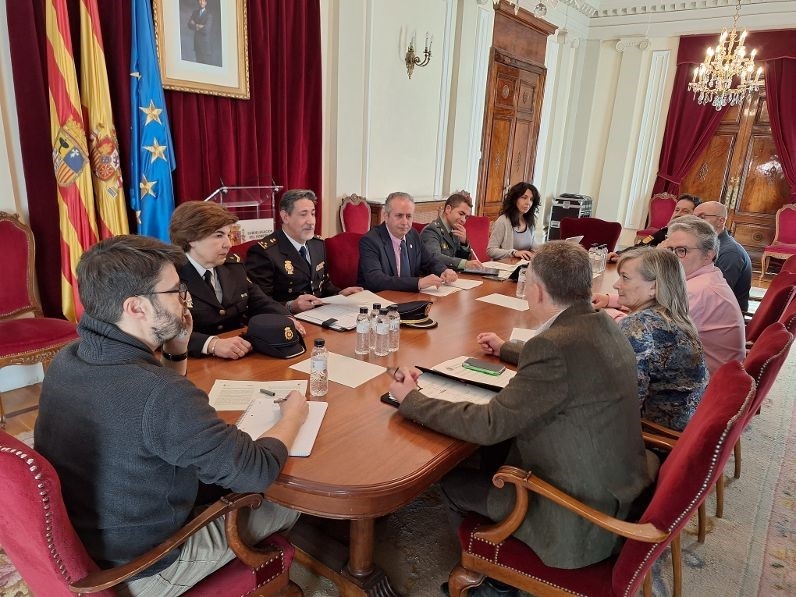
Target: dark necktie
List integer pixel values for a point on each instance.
(208, 276)
(405, 270)
(304, 253)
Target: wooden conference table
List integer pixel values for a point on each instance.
(368, 461)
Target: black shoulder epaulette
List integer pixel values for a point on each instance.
(233, 258)
(268, 241)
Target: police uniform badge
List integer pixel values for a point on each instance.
(289, 267)
(288, 333)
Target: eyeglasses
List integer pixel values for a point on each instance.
(181, 290)
(682, 251)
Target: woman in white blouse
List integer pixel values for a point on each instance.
(512, 232)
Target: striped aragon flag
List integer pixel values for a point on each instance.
(70, 155)
(98, 115)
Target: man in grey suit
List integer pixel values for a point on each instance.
(446, 237)
(571, 413)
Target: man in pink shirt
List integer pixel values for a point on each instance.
(712, 305)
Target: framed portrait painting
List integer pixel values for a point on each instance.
(203, 46)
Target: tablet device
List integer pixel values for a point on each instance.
(483, 366)
(482, 271)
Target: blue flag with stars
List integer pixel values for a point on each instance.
(152, 151)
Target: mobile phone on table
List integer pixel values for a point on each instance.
(483, 366)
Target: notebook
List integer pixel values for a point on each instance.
(263, 414)
(482, 271)
(443, 386)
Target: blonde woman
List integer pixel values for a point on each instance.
(671, 364)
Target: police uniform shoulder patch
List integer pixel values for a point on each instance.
(233, 258)
(268, 241)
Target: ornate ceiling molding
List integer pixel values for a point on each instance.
(661, 7)
(581, 6)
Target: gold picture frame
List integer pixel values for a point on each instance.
(203, 46)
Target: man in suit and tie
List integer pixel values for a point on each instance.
(571, 414)
(392, 256)
(222, 296)
(291, 264)
(446, 237)
(201, 23)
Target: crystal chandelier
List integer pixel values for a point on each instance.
(728, 63)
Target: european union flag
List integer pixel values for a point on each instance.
(152, 151)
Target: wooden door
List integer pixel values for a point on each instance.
(741, 168)
(515, 87)
(511, 129)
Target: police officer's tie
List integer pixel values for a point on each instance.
(405, 269)
(208, 277)
(305, 254)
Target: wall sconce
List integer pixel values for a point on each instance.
(413, 60)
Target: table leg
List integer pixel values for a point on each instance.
(359, 577)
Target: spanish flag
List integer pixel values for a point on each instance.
(102, 143)
(70, 155)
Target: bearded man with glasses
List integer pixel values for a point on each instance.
(131, 438)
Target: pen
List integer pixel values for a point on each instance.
(267, 392)
(279, 400)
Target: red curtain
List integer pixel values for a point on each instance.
(274, 136)
(689, 128)
(781, 99)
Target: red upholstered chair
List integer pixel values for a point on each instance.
(478, 234)
(784, 245)
(788, 318)
(38, 537)
(594, 231)
(789, 266)
(763, 363)
(661, 209)
(342, 254)
(24, 340)
(418, 226)
(695, 463)
(772, 306)
(354, 214)
(242, 249)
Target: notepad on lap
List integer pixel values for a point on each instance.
(263, 414)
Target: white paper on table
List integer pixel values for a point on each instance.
(454, 367)
(364, 297)
(502, 300)
(229, 394)
(466, 284)
(345, 370)
(506, 267)
(264, 413)
(444, 290)
(442, 388)
(345, 316)
(522, 334)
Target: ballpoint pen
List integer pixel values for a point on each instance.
(266, 392)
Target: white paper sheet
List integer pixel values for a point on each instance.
(365, 297)
(505, 301)
(263, 414)
(436, 386)
(465, 284)
(506, 267)
(228, 394)
(345, 370)
(522, 334)
(440, 290)
(454, 367)
(342, 308)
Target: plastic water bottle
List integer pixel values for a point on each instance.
(319, 369)
(395, 327)
(520, 291)
(382, 334)
(374, 315)
(363, 331)
(603, 257)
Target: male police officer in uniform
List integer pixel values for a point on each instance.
(290, 264)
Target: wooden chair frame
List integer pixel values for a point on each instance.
(771, 251)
